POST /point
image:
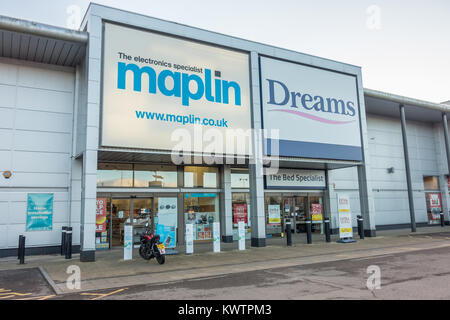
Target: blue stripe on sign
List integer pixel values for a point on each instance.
(288, 148)
(203, 195)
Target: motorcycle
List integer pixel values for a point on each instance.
(151, 247)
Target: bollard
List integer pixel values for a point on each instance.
(68, 243)
(22, 250)
(360, 226)
(288, 233)
(63, 240)
(19, 246)
(308, 231)
(442, 219)
(327, 229)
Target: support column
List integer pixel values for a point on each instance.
(226, 210)
(408, 169)
(366, 202)
(447, 149)
(88, 206)
(257, 213)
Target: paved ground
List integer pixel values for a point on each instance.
(403, 276)
(317, 271)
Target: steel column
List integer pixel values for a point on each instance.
(408, 169)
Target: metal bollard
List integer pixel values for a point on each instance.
(308, 231)
(22, 249)
(442, 219)
(326, 221)
(63, 240)
(288, 233)
(360, 226)
(69, 243)
(19, 246)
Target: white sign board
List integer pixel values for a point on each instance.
(345, 216)
(274, 214)
(189, 237)
(128, 242)
(216, 236)
(296, 179)
(316, 111)
(154, 85)
(167, 221)
(241, 234)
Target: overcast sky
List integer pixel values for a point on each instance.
(402, 46)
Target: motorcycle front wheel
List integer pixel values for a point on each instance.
(161, 258)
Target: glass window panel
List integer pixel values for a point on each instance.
(114, 175)
(240, 178)
(201, 212)
(201, 177)
(151, 176)
(431, 183)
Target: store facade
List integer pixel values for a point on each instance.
(163, 124)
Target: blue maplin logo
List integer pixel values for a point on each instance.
(181, 83)
(311, 103)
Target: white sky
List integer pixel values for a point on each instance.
(405, 51)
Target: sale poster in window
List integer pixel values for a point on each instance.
(240, 213)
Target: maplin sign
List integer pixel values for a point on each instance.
(154, 84)
(316, 111)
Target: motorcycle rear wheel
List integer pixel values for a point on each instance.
(143, 253)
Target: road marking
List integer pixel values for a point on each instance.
(38, 297)
(7, 294)
(102, 295)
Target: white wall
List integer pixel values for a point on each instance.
(36, 120)
(386, 150)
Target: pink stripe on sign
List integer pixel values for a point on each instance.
(315, 118)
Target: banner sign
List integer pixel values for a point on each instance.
(216, 236)
(189, 238)
(128, 242)
(240, 213)
(316, 212)
(39, 212)
(241, 234)
(434, 201)
(315, 110)
(345, 216)
(274, 214)
(159, 90)
(167, 221)
(101, 231)
(296, 179)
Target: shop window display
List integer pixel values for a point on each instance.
(241, 212)
(201, 210)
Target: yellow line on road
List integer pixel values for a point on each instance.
(102, 295)
(38, 297)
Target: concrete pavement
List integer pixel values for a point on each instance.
(111, 271)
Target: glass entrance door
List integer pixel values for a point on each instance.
(142, 214)
(136, 211)
(120, 213)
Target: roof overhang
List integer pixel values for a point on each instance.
(387, 104)
(31, 41)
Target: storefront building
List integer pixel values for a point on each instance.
(138, 120)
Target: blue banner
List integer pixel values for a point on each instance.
(39, 212)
